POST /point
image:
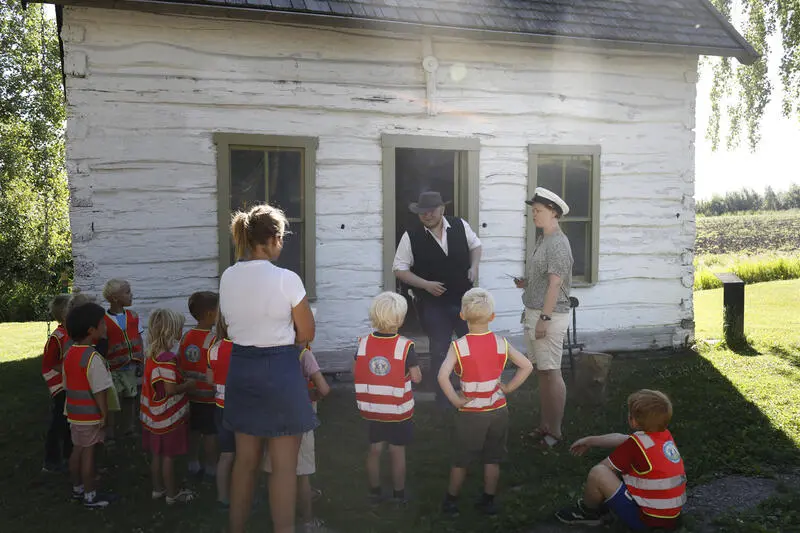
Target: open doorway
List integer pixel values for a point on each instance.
(415, 164)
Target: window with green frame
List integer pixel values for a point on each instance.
(278, 170)
(572, 172)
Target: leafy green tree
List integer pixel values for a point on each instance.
(34, 209)
(741, 92)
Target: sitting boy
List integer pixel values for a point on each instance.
(481, 425)
(652, 490)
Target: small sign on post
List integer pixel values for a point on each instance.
(733, 308)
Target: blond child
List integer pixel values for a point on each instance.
(481, 424)
(125, 352)
(87, 383)
(306, 461)
(643, 481)
(385, 367)
(165, 405)
(58, 443)
(219, 361)
(193, 363)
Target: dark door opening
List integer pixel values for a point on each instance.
(417, 171)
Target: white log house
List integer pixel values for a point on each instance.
(343, 112)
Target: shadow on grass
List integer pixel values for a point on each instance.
(717, 430)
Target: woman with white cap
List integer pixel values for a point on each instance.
(547, 281)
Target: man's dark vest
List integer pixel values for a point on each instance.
(431, 264)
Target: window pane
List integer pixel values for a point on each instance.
(578, 194)
(549, 174)
(247, 179)
(286, 181)
(578, 235)
(292, 254)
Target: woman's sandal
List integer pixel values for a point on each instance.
(548, 441)
(538, 433)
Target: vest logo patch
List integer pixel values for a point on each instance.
(380, 366)
(192, 353)
(671, 452)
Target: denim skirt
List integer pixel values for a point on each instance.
(266, 394)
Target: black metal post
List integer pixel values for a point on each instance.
(733, 308)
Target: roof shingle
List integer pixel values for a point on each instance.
(694, 25)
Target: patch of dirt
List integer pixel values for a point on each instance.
(726, 495)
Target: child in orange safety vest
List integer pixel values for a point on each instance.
(481, 424)
(165, 405)
(385, 367)
(125, 354)
(219, 361)
(58, 443)
(193, 363)
(643, 481)
(88, 384)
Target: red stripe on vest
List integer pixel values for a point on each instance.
(193, 362)
(57, 345)
(383, 390)
(123, 345)
(660, 492)
(219, 360)
(481, 360)
(81, 406)
(160, 414)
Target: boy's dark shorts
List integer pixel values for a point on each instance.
(481, 436)
(395, 433)
(225, 437)
(201, 418)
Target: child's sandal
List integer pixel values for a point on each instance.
(184, 496)
(158, 494)
(548, 441)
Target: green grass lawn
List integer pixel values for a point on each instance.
(734, 413)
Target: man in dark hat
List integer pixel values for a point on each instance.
(440, 260)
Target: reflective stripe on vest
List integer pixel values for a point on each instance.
(661, 491)
(162, 414)
(193, 362)
(52, 370)
(219, 359)
(481, 360)
(123, 344)
(81, 406)
(383, 390)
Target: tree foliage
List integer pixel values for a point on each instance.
(34, 213)
(742, 92)
(748, 200)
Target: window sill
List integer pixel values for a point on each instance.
(583, 284)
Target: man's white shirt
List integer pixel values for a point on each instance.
(404, 257)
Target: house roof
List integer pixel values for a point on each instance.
(693, 26)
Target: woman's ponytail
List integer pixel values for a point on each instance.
(241, 242)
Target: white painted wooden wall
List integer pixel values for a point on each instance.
(145, 93)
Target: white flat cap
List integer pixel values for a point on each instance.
(549, 198)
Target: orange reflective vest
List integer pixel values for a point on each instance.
(57, 345)
(123, 345)
(81, 406)
(160, 412)
(219, 360)
(660, 491)
(383, 389)
(193, 362)
(481, 360)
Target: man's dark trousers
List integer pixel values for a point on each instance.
(440, 318)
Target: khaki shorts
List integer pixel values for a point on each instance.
(545, 353)
(481, 436)
(125, 382)
(86, 435)
(306, 461)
